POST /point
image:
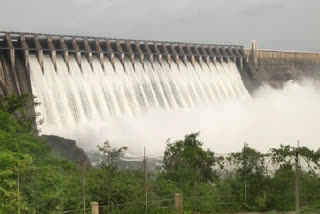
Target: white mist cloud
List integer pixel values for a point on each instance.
(272, 117)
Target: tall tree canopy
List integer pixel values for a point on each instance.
(185, 161)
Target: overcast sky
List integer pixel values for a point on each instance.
(275, 24)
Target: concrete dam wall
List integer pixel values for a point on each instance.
(15, 49)
(256, 67)
(276, 67)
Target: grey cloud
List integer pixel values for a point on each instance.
(285, 24)
(262, 8)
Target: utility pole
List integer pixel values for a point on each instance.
(297, 178)
(82, 163)
(34, 206)
(108, 202)
(18, 189)
(245, 175)
(145, 180)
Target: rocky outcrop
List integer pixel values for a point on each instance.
(67, 148)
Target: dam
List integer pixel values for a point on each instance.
(80, 79)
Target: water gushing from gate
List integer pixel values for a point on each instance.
(74, 96)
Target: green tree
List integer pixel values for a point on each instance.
(107, 173)
(12, 166)
(250, 177)
(16, 106)
(110, 156)
(19, 149)
(187, 163)
(281, 191)
(41, 178)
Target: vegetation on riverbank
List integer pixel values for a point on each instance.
(33, 180)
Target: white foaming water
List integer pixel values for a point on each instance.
(136, 105)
